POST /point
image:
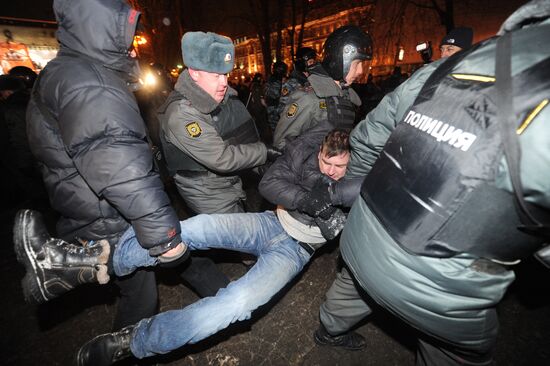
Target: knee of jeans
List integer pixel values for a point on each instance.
(241, 306)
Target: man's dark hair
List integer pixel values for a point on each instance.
(336, 142)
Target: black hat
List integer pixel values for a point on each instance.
(461, 37)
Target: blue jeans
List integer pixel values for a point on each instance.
(279, 259)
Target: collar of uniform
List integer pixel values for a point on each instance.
(324, 86)
(199, 99)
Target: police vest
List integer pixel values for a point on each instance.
(340, 112)
(231, 120)
(433, 185)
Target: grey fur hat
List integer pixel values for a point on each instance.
(208, 52)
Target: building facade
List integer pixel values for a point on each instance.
(248, 52)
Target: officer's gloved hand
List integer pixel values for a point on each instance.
(318, 203)
(272, 152)
(331, 226)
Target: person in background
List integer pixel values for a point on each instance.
(272, 92)
(305, 58)
(456, 40)
(329, 96)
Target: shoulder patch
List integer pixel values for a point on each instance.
(322, 104)
(193, 129)
(291, 112)
(284, 91)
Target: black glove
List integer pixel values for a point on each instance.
(331, 227)
(317, 202)
(272, 152)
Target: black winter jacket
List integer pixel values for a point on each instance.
(295, 173)
(94, 157)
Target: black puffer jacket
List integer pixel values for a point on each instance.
(93, 152)
(295, 173)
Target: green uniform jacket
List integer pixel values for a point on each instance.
(306, 107)
(443, 297)
(188, 125)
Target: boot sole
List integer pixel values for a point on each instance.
(322, 343)
(33, 289)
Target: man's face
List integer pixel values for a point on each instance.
(309, 63)
(212, 83)
(448, 50)
(355, 71)
(334, 167)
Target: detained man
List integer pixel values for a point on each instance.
(283, 242)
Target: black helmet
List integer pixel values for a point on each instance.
(279, 69)
(24, 73)
(303, 55)
(342, 46)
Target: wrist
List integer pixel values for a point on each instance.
(165, 247)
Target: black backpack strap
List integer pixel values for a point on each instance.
(510, 141)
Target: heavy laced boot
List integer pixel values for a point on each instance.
(351, 341)
(54, 266)
(106, 349)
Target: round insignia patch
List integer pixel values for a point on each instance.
(291, 112)
(322, 104)
(193, 129)
(284, 91)
(227, 58)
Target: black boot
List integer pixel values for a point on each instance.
(54, 266)
(351, 341)
(106, 349)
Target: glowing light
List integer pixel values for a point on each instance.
(174, 73)
(149, 81)
(401, 54)
(139, 41)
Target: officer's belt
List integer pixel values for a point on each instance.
(192, 173)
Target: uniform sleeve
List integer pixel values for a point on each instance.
(369, 137)
(298, 116)
(188, 131)
(105, 137)
(345, 191)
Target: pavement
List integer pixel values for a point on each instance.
(279, 333)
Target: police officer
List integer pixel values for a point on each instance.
(272, 92)
(305, 57)
(441, 221)
(328, 97)
(207, 133)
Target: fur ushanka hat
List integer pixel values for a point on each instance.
(208, 52)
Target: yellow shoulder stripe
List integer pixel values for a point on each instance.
(472, 77)
(531, 116)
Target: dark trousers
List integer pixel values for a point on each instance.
(202, 275)
(138, 298)
(431, 352)
(346, 305)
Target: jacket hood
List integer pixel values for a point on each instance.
(533, 12)
(101, 30)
